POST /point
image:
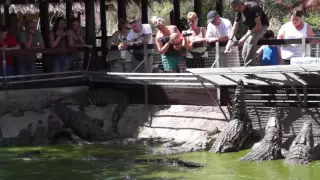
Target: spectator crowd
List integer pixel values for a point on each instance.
(179, 50)
(187, 49)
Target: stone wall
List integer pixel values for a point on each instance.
(181, 122)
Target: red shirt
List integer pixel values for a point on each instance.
(10, 41)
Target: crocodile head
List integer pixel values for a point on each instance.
(305, 136)
(238, 110)
(273, 129)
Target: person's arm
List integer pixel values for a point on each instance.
(280, 60)
(200, 40)
(40, 41)
(26, 39)
(235, 27)
(310, 32)
(54, 42)
(13, 44)
(281, 33)
(162, 48)
(259, 51)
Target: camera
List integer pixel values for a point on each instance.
(186, 34)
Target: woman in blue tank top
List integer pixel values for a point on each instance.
(271, 53)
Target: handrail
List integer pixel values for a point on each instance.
(44, 51)
(311, 40)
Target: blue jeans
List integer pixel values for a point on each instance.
(27, 66)
(9, 70)
(61, 62)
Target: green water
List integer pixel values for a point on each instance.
(64, 162)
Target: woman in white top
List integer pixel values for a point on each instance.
(294, 29)
(196, 55)
(120, 61)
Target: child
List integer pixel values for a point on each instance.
(180, 45)
(271, 53)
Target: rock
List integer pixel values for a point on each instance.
(87, 128)
(40, 136)
(24, 138)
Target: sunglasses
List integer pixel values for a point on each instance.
(133, 21)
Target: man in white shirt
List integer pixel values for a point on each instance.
(219, 29)
(139, 35)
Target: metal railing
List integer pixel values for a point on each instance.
(213, 61)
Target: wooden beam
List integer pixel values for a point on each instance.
(176, 12)
(44, 21)
(103, 27)
(197, 9)
(90, 31)
(144, 11)
(219, 7)
(122, 13)
(69, 13)
(6, 14)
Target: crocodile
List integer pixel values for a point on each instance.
(269, 148)
(171, 161)
(17, 107)
(85, 127)
(301, 149)
(238, 129)
(97, 97)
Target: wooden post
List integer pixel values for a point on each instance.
(44, 21)
(90, 32)
(47, 65)
(103, 27)
(176, 12)
(197, 9)
(219, 7)
(122, 14)
(144, 11)
(69, 12)
(6, 14)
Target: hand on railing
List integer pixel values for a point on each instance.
(212, 39)
(229, 46)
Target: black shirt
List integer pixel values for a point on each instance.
(252, 11)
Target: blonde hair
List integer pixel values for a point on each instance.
(157, 20)
(192, 16)
(173, 37)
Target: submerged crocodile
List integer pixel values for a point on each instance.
(17, 107)
(269, 148)
(97, 97)
(87, 128)
(238, 129)
(171, 161)
(301, 149)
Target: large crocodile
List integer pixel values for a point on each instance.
(301, 149)
(269, 148)
(238, 129)
(87, 128)
(97, 97)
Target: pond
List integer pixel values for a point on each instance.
(101, 162)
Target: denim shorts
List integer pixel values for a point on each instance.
(60, 62)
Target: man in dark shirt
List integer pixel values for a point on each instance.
(252, 15)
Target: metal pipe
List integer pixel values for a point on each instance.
(212, 98)
(47, 79)
(4, 68)
(43, 74)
